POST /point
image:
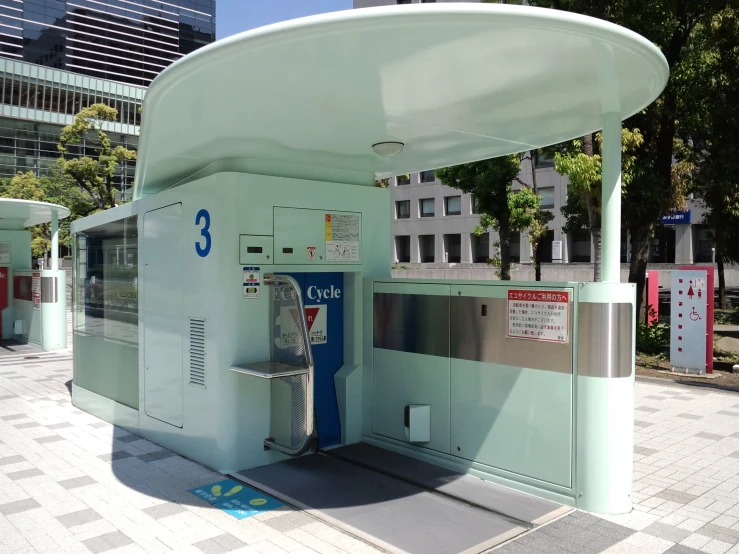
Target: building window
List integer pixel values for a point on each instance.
(543, 161)
(547, 197)
(403, 2)
(453, 205)
(480, 248)
(515, 249)
(581, 246)
(427, 248)
(427, 176)
(403, 248)
(403, 209)
(705, 242)
(544, 250)
(473, 204)
(427, 207)
(402, 180)
(453, 249)
(428, 1)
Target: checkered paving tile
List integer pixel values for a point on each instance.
(73, 483)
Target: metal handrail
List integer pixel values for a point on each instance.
(269, 279)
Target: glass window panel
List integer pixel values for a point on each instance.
(427, 248)
(427, 207)
(453, 205)
(403, 209)
(453, 248)
(403, 248)
(427, 176)
(106, 311)
(547, 197)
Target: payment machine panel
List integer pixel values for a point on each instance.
(317, 237)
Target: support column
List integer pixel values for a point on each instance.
(611, 200)
(54, 240)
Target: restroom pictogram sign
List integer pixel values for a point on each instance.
(689, 316)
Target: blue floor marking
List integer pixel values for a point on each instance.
(236, 499)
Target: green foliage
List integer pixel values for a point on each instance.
(94, 175)
(726, 317)
(584, 171)
(490, 182)
(25, 186)
(654, 340)
(575, 213)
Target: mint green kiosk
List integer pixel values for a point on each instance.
(33, 302)
(240, 310)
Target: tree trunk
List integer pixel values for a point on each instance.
(535, 249)
(596, 236)
(638, 265)
(721, 284)
(595, 232)
(592, 203)
(719, 232)
(505, 253)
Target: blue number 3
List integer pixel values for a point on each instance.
(203, 251)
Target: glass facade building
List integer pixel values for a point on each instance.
(129, 41)
(36, 102)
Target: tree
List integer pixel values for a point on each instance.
(94, 175)
(710, 132)
(490, 183)
(581, 163)
(539, 226)
(670, 24)
(26, 186)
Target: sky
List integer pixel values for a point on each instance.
(235, 16)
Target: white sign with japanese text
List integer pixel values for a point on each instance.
(539, 315)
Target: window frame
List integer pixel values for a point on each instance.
(420, 207)
(398, 203)
(446, 205)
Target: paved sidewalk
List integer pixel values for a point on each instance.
(70, 482)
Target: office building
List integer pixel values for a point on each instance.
(434, 224)
(128, 41)
(59, 56)
(37, 102)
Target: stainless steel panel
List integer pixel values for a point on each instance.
(604, 335)
(416, 323)
(482, 338)
(48, 290)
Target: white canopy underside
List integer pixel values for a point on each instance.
(454, 82)
(27, 213)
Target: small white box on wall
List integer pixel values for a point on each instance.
(418, 422)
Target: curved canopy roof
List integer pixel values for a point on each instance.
(18, 214)
(454, 82)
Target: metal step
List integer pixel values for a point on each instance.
(390, 513)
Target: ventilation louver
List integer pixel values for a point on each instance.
(197, 352)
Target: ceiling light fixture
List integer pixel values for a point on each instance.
(388, 149)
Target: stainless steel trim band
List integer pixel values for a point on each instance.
(605, 345)
(416, 323)
(483, 338)
(459, 327)
(48, 290)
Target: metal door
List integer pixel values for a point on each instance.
(161, 308)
